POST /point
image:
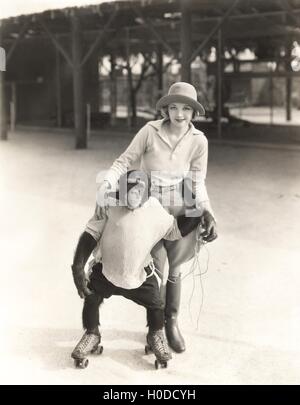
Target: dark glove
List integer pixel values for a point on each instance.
(210, 227)
(80, 281)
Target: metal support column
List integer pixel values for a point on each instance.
(129, 79)
(79, 108)
(288, 82)
(58, 89)
(113, 91)
(160, 83)
(3, 124)
(185, 41)
(219, 84)
(13, 107)
(288, 98)
(271, 97)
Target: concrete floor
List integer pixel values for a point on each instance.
(249, 326)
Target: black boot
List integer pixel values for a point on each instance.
(174, 337)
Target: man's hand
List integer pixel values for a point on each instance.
(210, 227)
(80, 282)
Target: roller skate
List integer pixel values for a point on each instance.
(89, 343)
(157, 343)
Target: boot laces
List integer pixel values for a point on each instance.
(160, 341)
(86, 340)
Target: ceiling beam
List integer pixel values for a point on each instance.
(56, 43)
(287, 7)
(196, 20)
(99, 38)
(214, 30)
(18, 40)
(153, 29)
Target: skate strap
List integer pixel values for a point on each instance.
(153, 272)
(152, 268)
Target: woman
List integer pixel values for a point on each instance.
(171, 150)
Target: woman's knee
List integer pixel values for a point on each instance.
(181, 251)
(174, 274)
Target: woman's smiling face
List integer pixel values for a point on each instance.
(180, 114)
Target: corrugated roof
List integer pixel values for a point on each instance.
(250, 21)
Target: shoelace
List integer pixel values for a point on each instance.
(162, 345)
(85, 341)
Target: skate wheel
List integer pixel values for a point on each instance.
(81, 363)
(99, 350)
(160, 364)
(147, 349)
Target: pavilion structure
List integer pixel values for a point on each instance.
(52, 57)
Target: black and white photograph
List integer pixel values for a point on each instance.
(150, 193)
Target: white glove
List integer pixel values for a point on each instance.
(203, 206)
(102, 194)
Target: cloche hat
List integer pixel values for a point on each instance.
(181, 92)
